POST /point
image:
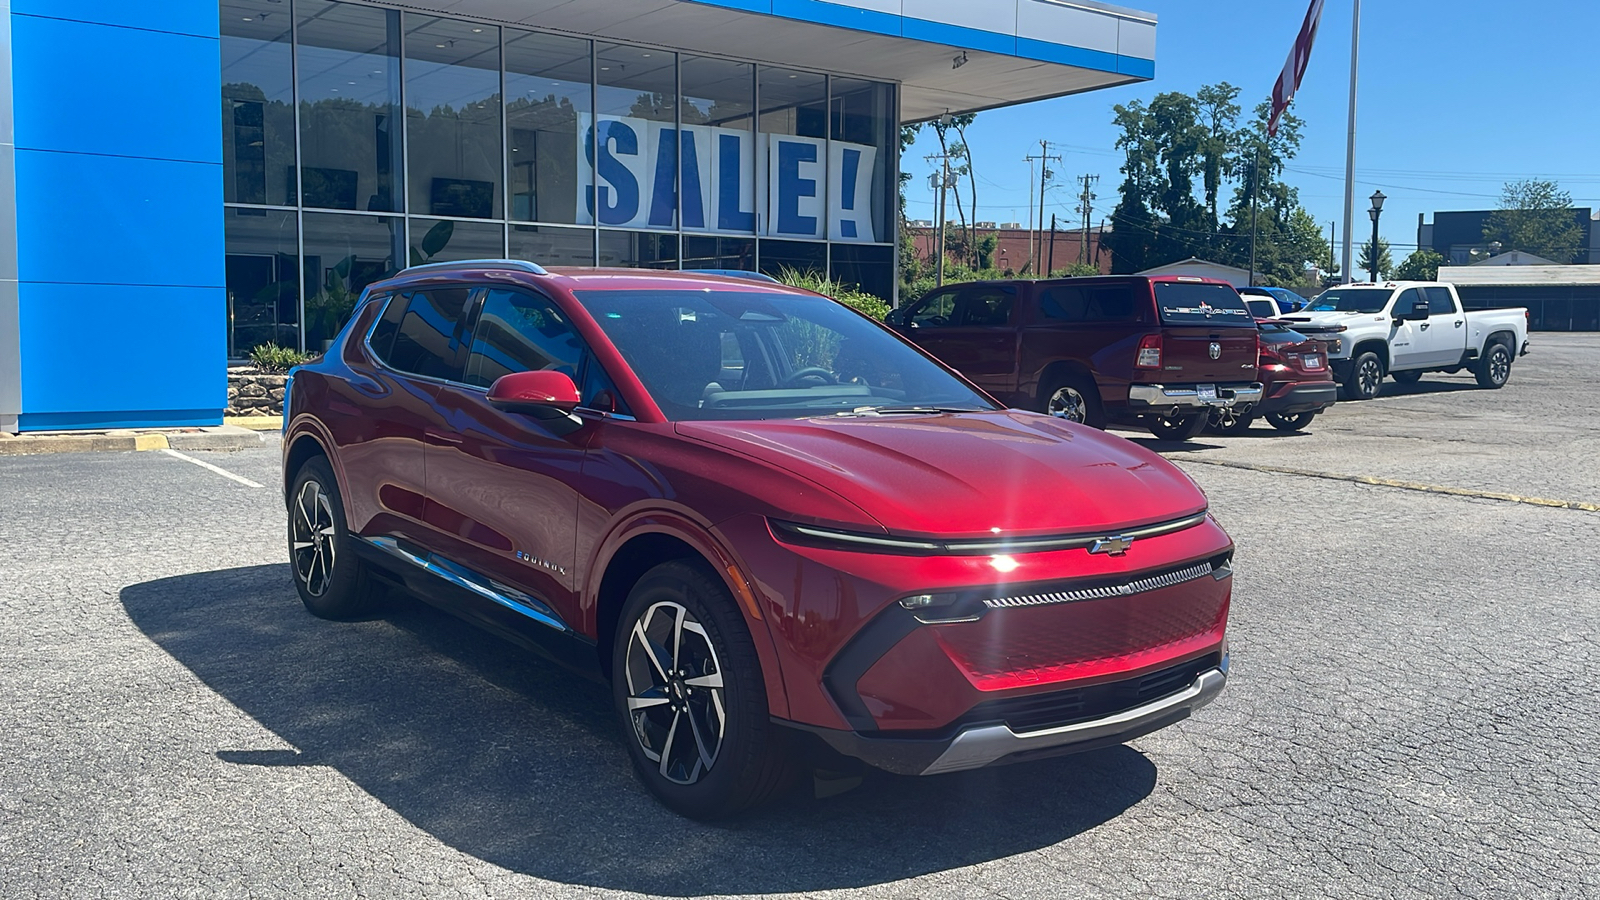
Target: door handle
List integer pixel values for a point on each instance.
(1458, 323)
(441, 437)
(1424, 326)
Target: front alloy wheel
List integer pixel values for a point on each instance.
(1068, 403)
(675, 692)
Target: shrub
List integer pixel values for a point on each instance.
(848, 294)
(275, 360)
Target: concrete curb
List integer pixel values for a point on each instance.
(256, 423)
(220, 437)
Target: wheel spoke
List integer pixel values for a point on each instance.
(666, 746)
(707, 756)
(302, 545)
(649, 648)
(649, 697)
(677, 635)
(714, 680)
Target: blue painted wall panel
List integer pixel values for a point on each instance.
(112, 220)
(125, 92)
(197, 17)
(166, 344)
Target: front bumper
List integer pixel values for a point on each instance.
(1161, 397)
(979, 745)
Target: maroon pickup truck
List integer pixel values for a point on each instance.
(1157, 351)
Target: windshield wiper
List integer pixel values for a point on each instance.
(906, 410)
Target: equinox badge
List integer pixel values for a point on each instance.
(1112, 546)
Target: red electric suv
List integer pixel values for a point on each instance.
(779, 530)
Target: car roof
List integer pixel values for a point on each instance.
(573, 278)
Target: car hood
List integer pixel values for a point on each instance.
(969, 474)
(1330, 318)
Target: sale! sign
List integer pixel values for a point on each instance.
(814, 188)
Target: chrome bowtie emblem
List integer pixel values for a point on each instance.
(1216, 350)
(1113, 546)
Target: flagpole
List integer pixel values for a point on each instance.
(1350, 150)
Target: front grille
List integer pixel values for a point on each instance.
(1037, 712)
(1155, 582)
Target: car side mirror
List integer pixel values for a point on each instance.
(896, 317)
(1419, 310)
(541, 395)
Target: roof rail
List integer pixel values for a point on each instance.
(524, 265)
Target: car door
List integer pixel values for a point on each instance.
(416, 343)
(500, 484)
(1443, 336)
(1406, 351)
(1091, 327)
(977, 337)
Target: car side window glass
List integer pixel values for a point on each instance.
(985, 307)
(1440, 303)
(427, 338)
(1110, 303)
(521, 332)
(935, 310)
(1407, 299)
(382, 338)
(598, 391)
(1066, 304)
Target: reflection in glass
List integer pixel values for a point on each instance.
(257, 104)
(801, 256)
(349, 105)
(344, 254)
(794, 114)
(871, 268)
(453, 117)
(701, 252)
(263, 292)
(861, 160)
(639, 249)
(446, 240)
(718, 145)
(549, 246)
(636, 112)
(547, 97)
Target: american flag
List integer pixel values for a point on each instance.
(1295, 68)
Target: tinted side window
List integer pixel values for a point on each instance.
(1067, 304)
(985, 307)
(598, 391)
(1407, 299)
(427, 339)
(382, 339)
(519, 332)
(935, 310)
(1109, 303)
(1440, 302)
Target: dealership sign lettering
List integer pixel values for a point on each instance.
(815, 188)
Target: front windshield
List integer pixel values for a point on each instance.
(751, 354)
(1355, 300)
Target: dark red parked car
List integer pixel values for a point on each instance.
(778, 530)
(1161, 352)
(1296, 383)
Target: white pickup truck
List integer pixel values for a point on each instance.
(1406, 328)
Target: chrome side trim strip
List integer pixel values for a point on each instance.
(466, 579)
(1152, 583)
(980, 746)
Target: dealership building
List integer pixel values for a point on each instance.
(251, 165)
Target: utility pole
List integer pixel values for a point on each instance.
(943, 178)
(1044, 158)
(1027, 265)
(1050, 258)
(1333, 243)
(1086, 206)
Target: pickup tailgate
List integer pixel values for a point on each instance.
(1207, 334)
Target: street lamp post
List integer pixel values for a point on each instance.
(1372, 253)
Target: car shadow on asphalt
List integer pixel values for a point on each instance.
(519, 763)
(1392, 389)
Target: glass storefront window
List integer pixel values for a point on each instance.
(444, 240)
(801, 256)
(636, 115)
(862, 125)
(718, 145)
(704, 252)
(263, 247)
(453, 117)
(871, 268)
(548, 109)
(349, 63)
(638, 249)
(794, 121)
(552, 246)
(344, 254)
(257, 105)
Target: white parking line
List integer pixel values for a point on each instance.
(205, 465)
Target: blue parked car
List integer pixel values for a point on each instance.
(1288, 301)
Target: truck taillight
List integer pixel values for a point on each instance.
(1149, 352)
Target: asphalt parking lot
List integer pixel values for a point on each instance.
(1413, 709)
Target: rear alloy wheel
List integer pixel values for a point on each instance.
(1290, 422)
(1076, 400)
(1411, 376)
(689, 691)
(1366, 376)
(1178, 428)
(1230, 421)
(332, 581)
(1494, 370)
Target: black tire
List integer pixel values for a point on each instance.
(332, 581)
(1365, 380)
(1410, 376)
(1230, 422)
(749, 763)
(1290, 421)
(1181, 428)
(1074, 398)
(1494, 369)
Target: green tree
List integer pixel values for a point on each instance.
(1385, 262)
(1536, 216)
(1422, 265)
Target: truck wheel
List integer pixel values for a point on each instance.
(1294, 422)
(1178, 428)
(1366, 376)
(1410, 376)
(1230, 421)
(1074, 398)
(1494, 370)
